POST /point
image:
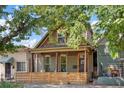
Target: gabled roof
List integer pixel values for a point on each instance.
(41, 41)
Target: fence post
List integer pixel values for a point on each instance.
(15, 78)
(30, 77)
(48, 77)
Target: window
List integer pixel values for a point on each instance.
(63, 63)
(61, 39)
(47, 64)
(21, 66)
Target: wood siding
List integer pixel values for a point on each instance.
(52, 77)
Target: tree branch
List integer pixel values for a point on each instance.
(12, 34)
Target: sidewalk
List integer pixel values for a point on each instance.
(33, 85)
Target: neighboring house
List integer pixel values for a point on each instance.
(104, 60)
(14, 62)
(54, 62)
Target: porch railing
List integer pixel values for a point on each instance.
(52, 77)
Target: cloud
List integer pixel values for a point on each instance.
(94, 22)
(17, 7)
(28, 43)
(10, 17)
(5, 33)
(2, 22)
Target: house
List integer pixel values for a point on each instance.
(54, 62)
(14, 62)
(104, 60)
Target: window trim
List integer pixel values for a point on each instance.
(63, 55)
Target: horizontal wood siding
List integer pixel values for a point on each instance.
(52, 77)
(23, 77)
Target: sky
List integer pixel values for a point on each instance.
(33, 40)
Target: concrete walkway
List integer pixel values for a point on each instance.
(33, 85)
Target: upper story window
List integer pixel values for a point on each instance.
(61, 38)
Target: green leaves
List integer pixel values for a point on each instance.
(20, 27)
(76, 35)
(111, 27)
(72, 21)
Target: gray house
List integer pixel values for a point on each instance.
(104, 60)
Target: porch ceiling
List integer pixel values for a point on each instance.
(58, 49)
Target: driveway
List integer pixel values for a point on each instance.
(34, 85)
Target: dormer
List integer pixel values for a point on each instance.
(61, 39)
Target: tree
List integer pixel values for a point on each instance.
(72, 20)
(31, 18)
(110, 26)
(18, 28)
(75, 19)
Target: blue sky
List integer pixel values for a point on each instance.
(35, 38)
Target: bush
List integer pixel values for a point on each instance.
(10, 85)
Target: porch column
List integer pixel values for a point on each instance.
(56, 63)
(36, 62)
(42, 62)
(30, 63)
(85, 61)
(78, 59)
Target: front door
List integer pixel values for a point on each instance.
(8, 70)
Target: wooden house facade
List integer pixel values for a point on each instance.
(54, 62)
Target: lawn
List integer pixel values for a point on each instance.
(10, 85)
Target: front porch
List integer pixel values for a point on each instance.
(52, 77)
(59, 66)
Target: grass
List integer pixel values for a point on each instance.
(10, 85)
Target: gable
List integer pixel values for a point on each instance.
(42, 41)
(51, 40)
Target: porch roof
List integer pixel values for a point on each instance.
(4, 60)
(59, 49)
